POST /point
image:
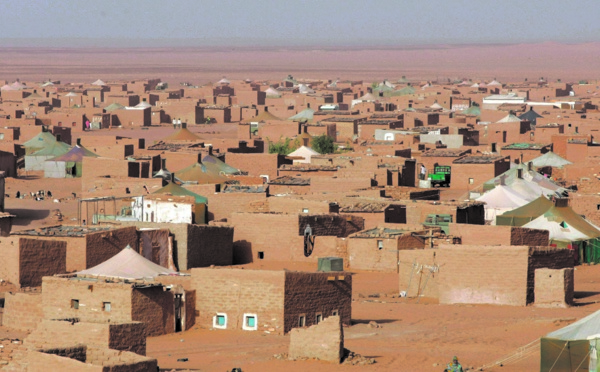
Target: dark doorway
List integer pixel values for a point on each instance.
(178, 321)
(395, 213)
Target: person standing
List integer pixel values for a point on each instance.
(423, 172)
(454, 366)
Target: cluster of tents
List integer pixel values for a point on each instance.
(57, 159)
(523, 197)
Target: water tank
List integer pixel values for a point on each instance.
(327, 264)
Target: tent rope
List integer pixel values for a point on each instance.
(583, 360)
(558, 357)
(521, 353)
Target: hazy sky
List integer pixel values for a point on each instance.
(295, 22)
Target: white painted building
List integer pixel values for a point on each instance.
(163, 208)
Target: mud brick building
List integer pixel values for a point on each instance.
(499, 235)
(129, 336)
(377, 249)
(471, 171)
(272, 301)
(195, 245)
(500, 275)
(280, 236)
(86, 246)
(25, 261)
(99, 301)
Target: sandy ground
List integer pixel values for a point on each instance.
(411, 337)
(202, 65)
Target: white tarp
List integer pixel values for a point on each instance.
(128, 264)
(580, 330)
(501, 199)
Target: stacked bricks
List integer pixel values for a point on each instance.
(554, 288)
(323, 341)
(22, 311)
(118, 336)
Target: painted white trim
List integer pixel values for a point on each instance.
(248, 328)
(216, 325)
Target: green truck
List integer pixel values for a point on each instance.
(439, 220)
(440, 176)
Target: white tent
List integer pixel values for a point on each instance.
(128, 264)
(501, 199)
(305, 153)
(550, 159)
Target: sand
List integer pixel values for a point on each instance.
(201, 65)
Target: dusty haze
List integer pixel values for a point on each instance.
(568, 62)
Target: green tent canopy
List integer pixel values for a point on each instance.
(525, 214)
(174, 189)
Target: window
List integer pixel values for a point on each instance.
(301, 321)
(335, 313)
(319, 318)
(250, 322)
(75, 304)
(470, 181)
(304, 210)
(380, 244)
(220, 321)
(261, 255)
(106, 307)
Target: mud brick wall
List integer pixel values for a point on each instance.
(329, 184)
(38, 258)
(127, 337)
(40, 361)
(103, 245)
(323, 341)
(481, 234)
(405, 193)
(255, 164)
(155, 308)
(324, 246)
(9, 264)
(413, 269)
(289, 189)
(483, 274)
(310, 294)
(222, 205)
(190, 309)
(545, 257)
(273, 234)
(57, 294)
(529, 237)
(236, 292)
(554, 288)
(180, 238)
(209, 245)
(364, 254)
(22, 311)
(291, 205)
(119, 361)
(340, 225)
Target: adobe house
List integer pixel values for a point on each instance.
(469, 172)
(86, 246)
(99, 300)
(377, 249)
(193, 245)
(346, 127)
(270, 301)
(281, 236)
(374, 212)
(470, 274)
